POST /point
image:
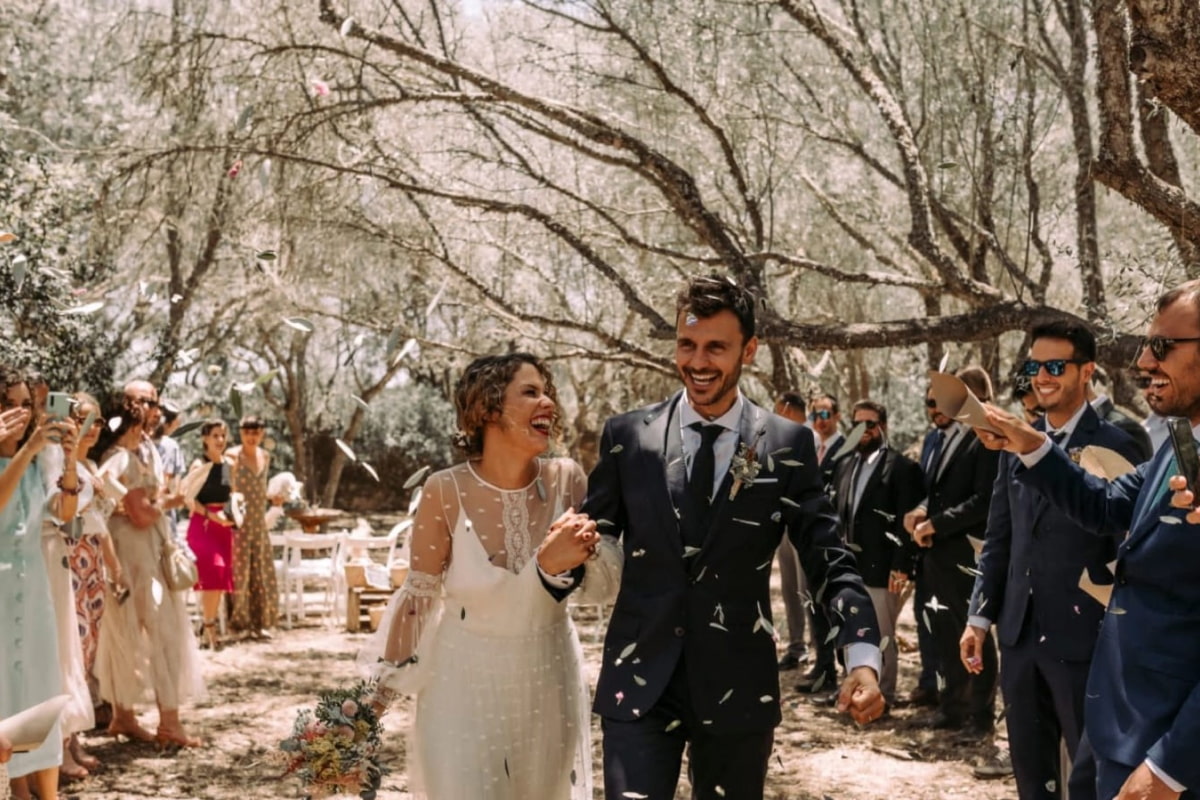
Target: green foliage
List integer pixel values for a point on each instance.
(46, 271)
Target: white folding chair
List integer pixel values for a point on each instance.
(299, 570)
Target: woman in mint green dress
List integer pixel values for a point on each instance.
(28, 654)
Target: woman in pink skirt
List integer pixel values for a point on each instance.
(210, 531)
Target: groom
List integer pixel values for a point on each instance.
(700, 489)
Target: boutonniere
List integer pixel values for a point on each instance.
(744, 467)
(1075, 453)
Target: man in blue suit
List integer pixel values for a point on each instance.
(1142, 709)
(1028, 582)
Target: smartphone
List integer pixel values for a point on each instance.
(58, 405)
(1183, 441)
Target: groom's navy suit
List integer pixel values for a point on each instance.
(690, 654)
(1143, 692)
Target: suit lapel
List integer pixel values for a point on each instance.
(662, 432)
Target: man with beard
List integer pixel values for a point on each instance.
(1142, 705)
(699, 489)
(873, 489)
(959, 473)
(1029, 570)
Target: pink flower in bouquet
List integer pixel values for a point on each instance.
(349, 708)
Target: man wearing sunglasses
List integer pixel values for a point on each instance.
(1142, 707)
(959, 473)
(825, 418)
(1033, 556)
(874, 487)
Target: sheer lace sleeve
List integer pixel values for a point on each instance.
(602, 574)
(393, 655)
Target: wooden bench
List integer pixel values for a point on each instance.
(359, 601)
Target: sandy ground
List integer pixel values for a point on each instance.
(256, 688)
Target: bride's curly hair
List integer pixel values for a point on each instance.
(479, 397)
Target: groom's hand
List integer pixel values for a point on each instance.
(860, 696)
(572, 538)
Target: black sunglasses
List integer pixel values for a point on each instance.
(1161, 345)
(869, 424)
(1055, 366)
(930, 402)
(822, 414)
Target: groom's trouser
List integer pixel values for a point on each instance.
(642, 758)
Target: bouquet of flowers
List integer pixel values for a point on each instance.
(334, 748)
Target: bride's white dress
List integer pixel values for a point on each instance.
(495, 663)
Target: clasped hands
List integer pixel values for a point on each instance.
(572, 540)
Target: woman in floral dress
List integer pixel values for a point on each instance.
(255, 592)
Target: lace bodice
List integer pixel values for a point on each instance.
(510, 523)
(509, 526)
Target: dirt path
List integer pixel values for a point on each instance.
(257, 688)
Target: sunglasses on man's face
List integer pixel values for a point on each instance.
(1055, 367)
(822, 414)
(869, 424)
(1160, 346)
(930, 402)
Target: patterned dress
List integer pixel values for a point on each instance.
(255, 592)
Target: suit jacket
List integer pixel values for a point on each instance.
(712, 607)
(1143, 695)
(1034, 554)
(957, 503)
(1141, 439)
(875, 531)
(828, 463)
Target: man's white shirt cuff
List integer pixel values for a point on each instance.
(1173, 784)
(976, 621)
(562, 580)
(861, 654)
(1030, 460)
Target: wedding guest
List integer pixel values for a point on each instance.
(255, 591)
(28, 656)
(61, 535)
(210, 534)
(874, 488)
(146, 644)
(493, 658)
(959, 475)
(93, 561)
(794, 588)
(169, 452)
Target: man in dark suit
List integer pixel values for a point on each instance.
(699, 489)
(874, 488)
(825, 417)
(1029, 577)
(1142, 706)
(792, 586)
(960, 473)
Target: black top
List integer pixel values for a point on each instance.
(216, 488)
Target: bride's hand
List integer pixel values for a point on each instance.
(571, 540)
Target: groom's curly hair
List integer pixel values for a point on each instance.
(479, 397)
(707, 295)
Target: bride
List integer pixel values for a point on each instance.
(491, 655)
